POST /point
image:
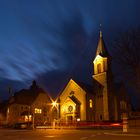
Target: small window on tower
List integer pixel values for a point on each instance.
(99, 68)
(90, 103)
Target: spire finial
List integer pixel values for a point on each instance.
(100, 30)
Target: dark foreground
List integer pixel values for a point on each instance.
(63, 134)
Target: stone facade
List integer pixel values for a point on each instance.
(73, 104)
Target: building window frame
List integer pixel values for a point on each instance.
(99, 68)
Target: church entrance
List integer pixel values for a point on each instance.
(69, 118)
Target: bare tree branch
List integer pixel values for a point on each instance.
(126, 53)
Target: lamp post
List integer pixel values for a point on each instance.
(33, 119)
(56, 105)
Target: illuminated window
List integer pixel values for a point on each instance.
(37, 110)
(28, 118)
(99, 68)
(90, 103)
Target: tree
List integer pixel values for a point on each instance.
(126, 54)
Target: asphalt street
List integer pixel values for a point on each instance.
(63, 134)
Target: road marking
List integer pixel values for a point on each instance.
(121, 134)
(82, 138)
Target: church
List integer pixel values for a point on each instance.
(103, 101)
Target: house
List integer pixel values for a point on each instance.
(31, 105)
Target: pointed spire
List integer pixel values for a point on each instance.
(101, 35)
(101, 46)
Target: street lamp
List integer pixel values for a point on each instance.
(56, 105)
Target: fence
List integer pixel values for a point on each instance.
(134, 125)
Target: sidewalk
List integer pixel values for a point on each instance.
(120, 132)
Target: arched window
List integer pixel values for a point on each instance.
(99, 68)
(90, 103)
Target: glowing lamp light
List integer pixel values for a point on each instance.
(54, 103)
(78, 119)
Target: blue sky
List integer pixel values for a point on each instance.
(53, 40)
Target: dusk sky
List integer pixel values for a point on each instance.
(51, 41)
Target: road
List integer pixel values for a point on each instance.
(62, 134)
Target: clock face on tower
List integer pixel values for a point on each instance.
(70, 108)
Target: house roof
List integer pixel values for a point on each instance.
(27, 96)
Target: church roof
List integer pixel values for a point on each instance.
(86, 87)
(75, 100)
(101, 49)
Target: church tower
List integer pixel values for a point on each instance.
(102, 81)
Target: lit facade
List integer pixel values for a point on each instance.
(76, 103)
(32, 106)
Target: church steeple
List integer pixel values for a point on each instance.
(101, 59)
(101, 77)
(101, 50)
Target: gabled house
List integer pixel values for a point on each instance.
(29, 105)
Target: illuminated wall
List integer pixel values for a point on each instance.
(65, 101)
(100, 75)
(40, 108)
(100, 64)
